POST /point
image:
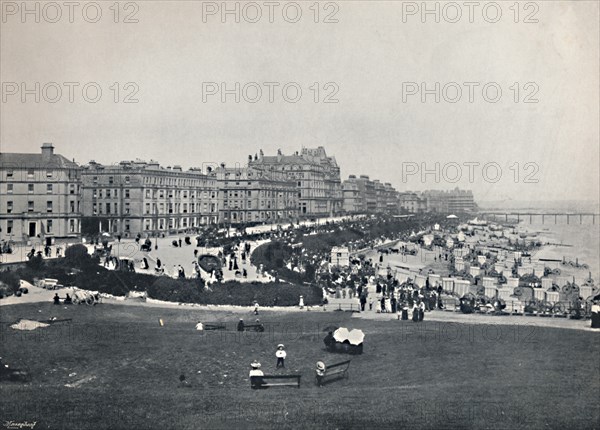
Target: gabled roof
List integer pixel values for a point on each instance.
(22, 160)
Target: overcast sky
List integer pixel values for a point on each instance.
(369, 55)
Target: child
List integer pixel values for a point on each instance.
(280, 354)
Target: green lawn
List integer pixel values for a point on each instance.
(124, 371)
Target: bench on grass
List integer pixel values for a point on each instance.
(253, 327)
(279, 381)
(209, 326)
(332, 372)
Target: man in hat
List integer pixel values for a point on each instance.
(280, 354)
(256, 375)
(240, 325)
(320, 371)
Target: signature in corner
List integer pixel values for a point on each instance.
(19, 425)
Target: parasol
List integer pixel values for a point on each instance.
(356, 337)
(341, 334)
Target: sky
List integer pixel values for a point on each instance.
(376, 63)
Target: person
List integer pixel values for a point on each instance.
(415, 312)
(421, 310)
(179, 240)
(255, 308)
(329, 340)
(68, 300)
(280, 354)
(363, 302)
(240, 325)
(320, 371)
(256, 375)
(301, 304)
(56, 299)
(199, 326)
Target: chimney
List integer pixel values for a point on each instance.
(47, 151)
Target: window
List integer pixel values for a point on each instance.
(94, 193)
(72, 206)
(111, 179)
(116, 208)
(126, 225)
(72, 226)
(100, 194)
(49, 188)
(147, 208)
(95, 179)
(30, 206)
(71, 188)
(126, 207)
(108, 208)
(9, 173)
(95, 208)
(30, 173)
(9, 226)
(127, 179)
(49, 226)
(49, 206)
(127, 193)
(9, 188)
(30, 188)
(185, 208)
(147, 193)
(48, 173)
(108, 194)
(9, 207)
(161, 194)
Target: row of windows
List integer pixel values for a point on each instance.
(48, 173)
(49, 226)
(238, 204)
(262, 215)
(172, 223)
(159, 181)
(49, 206)
(31, 189)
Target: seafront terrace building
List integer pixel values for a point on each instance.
(249, 196)
(138, 197)
(450, 201)
(316, 175)
(40, 197)
(363, 195)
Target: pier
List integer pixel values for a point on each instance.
(554, 218)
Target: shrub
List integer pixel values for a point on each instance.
(11, 279)
(77, 255)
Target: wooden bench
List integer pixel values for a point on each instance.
(290, 381)
(210, 326)
(253, 327)
(333, 372)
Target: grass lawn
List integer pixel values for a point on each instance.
(115, 367)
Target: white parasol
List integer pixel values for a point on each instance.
(356, 337)
(341, 334)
